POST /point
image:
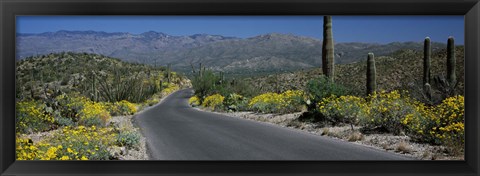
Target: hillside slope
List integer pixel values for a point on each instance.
(95, 76)
(400, 70)
(267, 53)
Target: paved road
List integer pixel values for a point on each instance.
(175, 131)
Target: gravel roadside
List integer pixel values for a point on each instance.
(401, 144)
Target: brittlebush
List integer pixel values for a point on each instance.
(170, 88)
(32, 117)
(387, 110)
(345, 109)
(194, 101)
(123, 107)
(396, 112)
(286, 102)
(76, 143)
(440, 124)
(94, 114)
(214, 102)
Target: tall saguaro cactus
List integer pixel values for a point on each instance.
(371, 74)
(451, 61)
(169, 74)
(200, 72)
(94, 87)
(327, 48)
(222, 77)
(427, 53)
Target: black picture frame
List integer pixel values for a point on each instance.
(11, 8)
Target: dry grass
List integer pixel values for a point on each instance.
(326, 132)
(404, 147)
(356, 136)
(294, 123)
(425, 155)
(455, 148)
(385, 146)
(336, 132)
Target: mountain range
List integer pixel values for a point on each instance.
(266, 53)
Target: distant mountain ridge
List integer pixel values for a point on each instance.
(273, 52)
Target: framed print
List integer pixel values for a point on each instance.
(239, 87)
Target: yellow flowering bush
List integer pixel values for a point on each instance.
(440, 124)
(69, 143)
(266, 103)
(124, 107)
(170, 88)
(295, 100)
(70, 106)
(32, 117)
(387, 110)
(94, 114)
(73, 102)
(345, 109)
(213, 102)
(152, 101)
(25, 149)
(194, 101)
(419, 120)
(288, 101)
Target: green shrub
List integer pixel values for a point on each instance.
(238, 86)
(235, 102)
(205, 85)
(91, 121)
(69, 106)
(128, 139)
(320, 88)
(62, 121)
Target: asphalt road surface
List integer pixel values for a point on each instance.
(176, 131)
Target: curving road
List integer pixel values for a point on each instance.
(176, 131)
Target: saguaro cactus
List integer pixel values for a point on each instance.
(327, 48)
(371, 74)
(451, 61)
(94, 87)
(427, 52)
(200, 72)
(222, 77)
(169, 74)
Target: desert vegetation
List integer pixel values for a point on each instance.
(414, 93)
(73, 100)
(72, 97)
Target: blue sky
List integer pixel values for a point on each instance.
(372, 29)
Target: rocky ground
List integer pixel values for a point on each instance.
(138, 152)
(391, 143)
